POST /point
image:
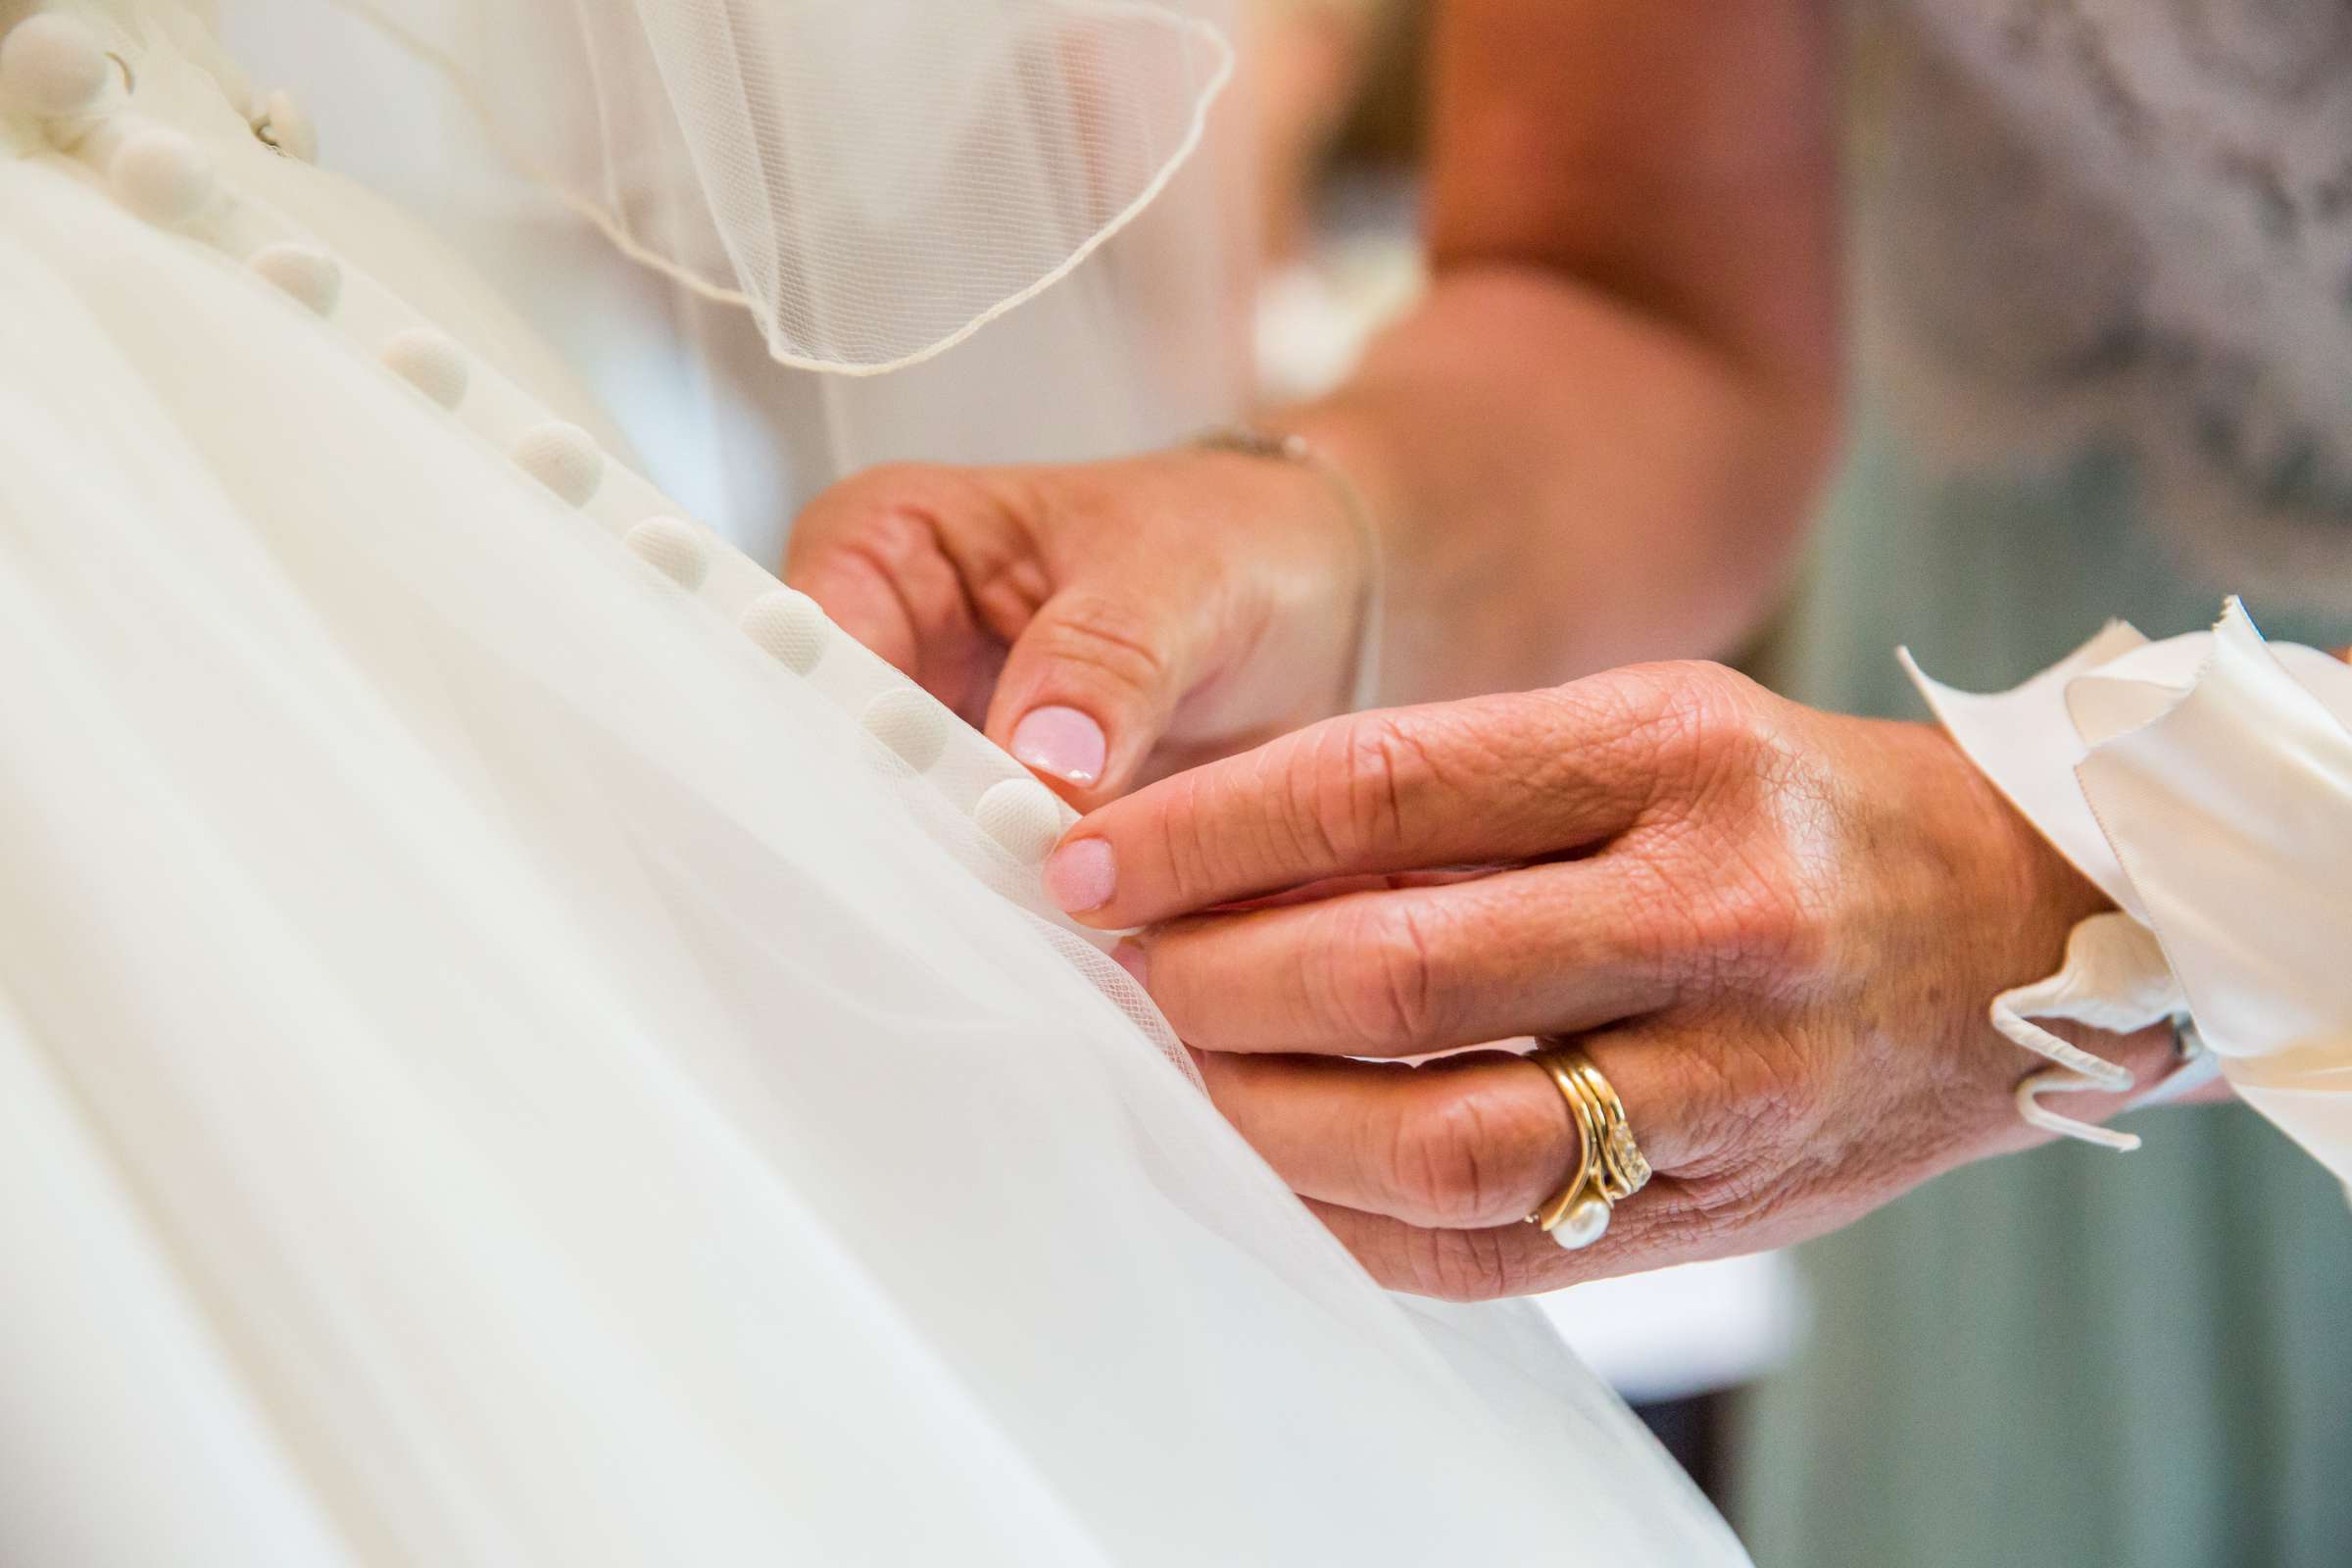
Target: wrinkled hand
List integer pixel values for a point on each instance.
(1775, 930)
(1103, 622)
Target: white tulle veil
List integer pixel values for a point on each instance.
(873, 180)
(1018, 208)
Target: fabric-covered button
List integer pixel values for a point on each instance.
(909, 723)
(672, 547)
(288, 127)
(786, 625)
(307, 274)
(161, 175)
(564, 458)
(431, 362)
(1022, 816)
(52, 66)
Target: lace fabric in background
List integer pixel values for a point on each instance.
(2129, 222)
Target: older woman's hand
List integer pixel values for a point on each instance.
(1775, 930)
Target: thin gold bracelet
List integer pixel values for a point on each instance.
(1362, 685)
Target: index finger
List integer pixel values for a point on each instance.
(1490, 781)
(887, 554)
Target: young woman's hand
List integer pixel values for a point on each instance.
(1103, 622)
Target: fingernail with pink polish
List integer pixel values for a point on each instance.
(1131, 958)
(1081, 876)
(1062, 742)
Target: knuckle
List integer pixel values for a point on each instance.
(1350, 785)
(1437, 1164)
(1693, 716)
(1685, 730)
(1761, 923)
(1699, 1226)
(1386, 769)
(1306, 783)
(1385, 985)
(1736, 880)
(884, 520)
(898, 498)
(1463, 1266)
(1745, 1199)
(1726, 1211)
(1191, 856)
(1666, 928)
(1473, 1157)
(1748, 1106)
(1723, 716)
(1115, 641)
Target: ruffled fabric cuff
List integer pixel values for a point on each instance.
(2204, 783)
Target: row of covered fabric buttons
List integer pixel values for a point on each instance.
(54, 71)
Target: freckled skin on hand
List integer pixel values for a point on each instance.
(1775, 930)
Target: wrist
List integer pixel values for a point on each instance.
(2033, 889)
(1353, 440)
(2149, 1055)
(2047, 900)
(1362, 591)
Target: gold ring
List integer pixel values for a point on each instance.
(1609, 1165)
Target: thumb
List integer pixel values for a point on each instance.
(1090, 685)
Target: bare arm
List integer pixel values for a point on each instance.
(1598, 437)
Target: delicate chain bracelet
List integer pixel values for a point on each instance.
(1362, 684)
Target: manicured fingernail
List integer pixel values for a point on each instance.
(1081, 875)
(1130, 956)
(1062, 742)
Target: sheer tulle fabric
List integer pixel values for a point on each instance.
(873, 179)
(492, 1070)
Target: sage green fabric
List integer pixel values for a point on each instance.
(2072, 1358)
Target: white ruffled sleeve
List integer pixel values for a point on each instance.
(2205, 784)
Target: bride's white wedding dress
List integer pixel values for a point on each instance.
(520, 1043)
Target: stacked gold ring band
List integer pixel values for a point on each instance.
(1609, 1166)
